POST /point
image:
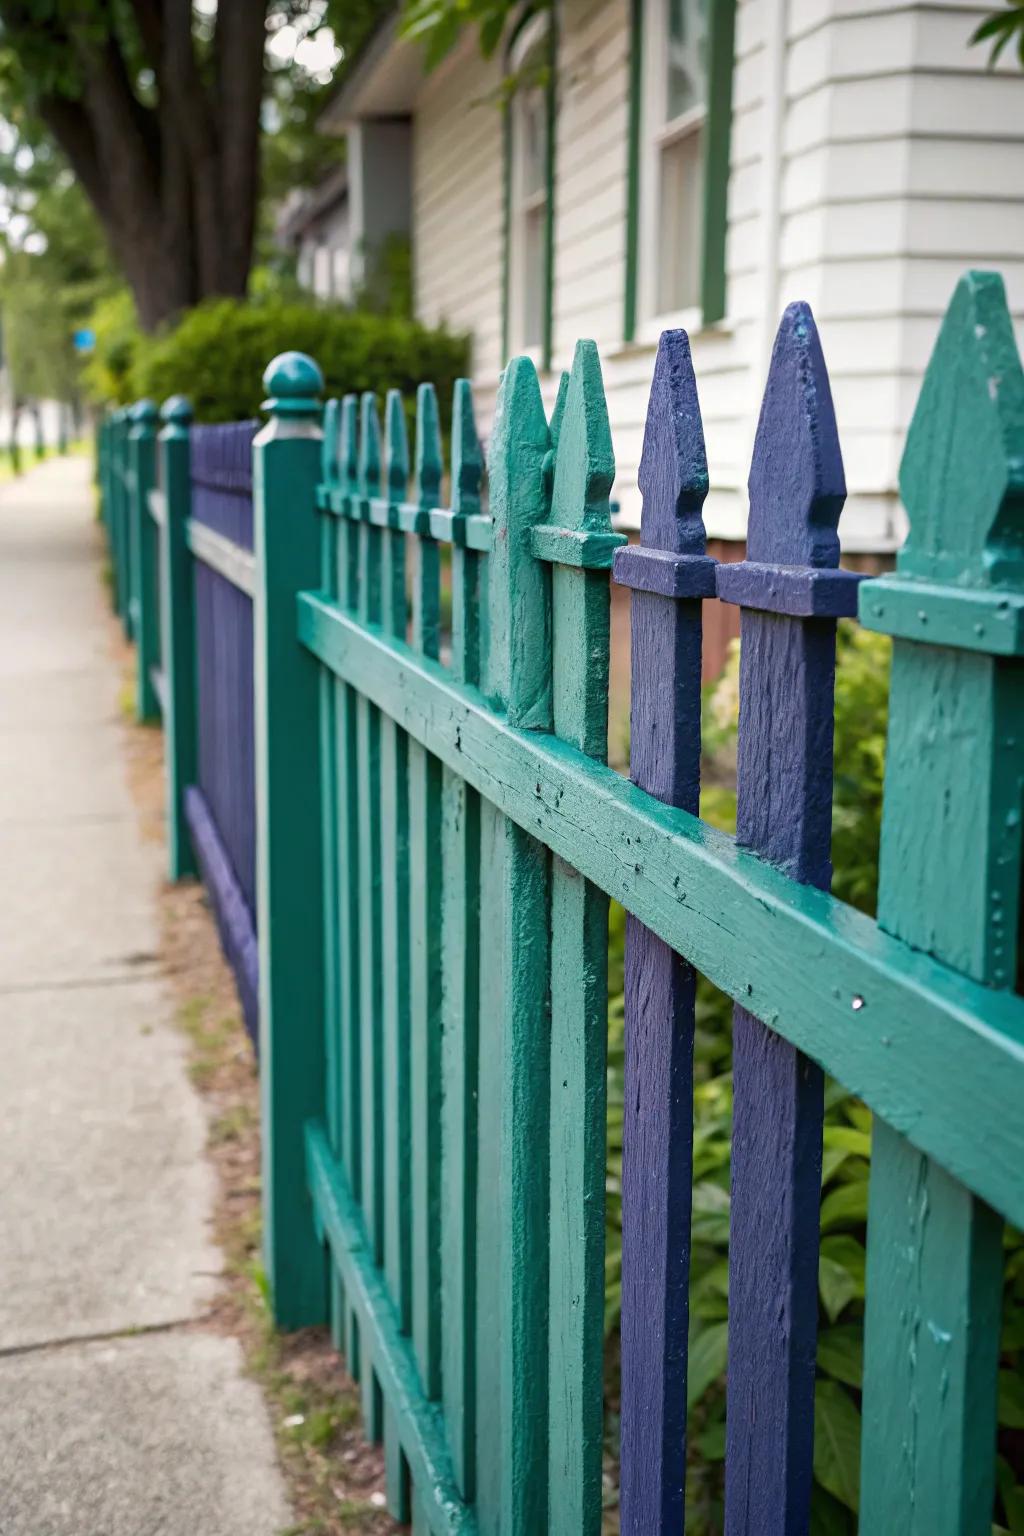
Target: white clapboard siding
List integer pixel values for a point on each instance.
(900, 162)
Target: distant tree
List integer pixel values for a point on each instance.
(158, 107)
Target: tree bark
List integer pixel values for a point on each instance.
(175, 184)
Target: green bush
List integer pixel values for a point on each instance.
(217, 353)
(862, 686)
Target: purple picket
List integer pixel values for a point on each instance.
(221, 807)
(790, 593)
(669, 573)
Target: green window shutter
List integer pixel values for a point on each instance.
(636, 52)
(549, 228)
(717, 135)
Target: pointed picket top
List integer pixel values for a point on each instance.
(584, 462)
(558, 410)
(396, 448)
(369, 445)
(519, 657)
(429, 457)
(467, 457)
(797, 486)
(673, 475)
(329, 448)
(348, 442)
(519, 435)
(962, 475)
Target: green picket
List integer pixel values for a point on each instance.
(578, 540)
(949, 883)
(394, 943)
(424, 912)
(461, 985)
(331, 868)
(346, 852)
(368, 799)
(512, 1286)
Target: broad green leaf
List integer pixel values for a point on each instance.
(846, 1206)
(841, 1266)
(837, 1442)
(841, 1353)
(706, 1361)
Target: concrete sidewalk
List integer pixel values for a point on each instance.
(119, 1416)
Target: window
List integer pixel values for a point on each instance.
(529, 212)
(673, 218)
(680, 122)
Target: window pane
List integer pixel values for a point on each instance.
(682, 207)
(687, 56)
(535, 222)
(533, 122)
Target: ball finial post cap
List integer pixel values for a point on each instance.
(143, 413)
(294, 384)
(176, 410)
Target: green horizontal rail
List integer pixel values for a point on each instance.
(222, 555)
(886, 1020)
(419, 1423)
(472, 531)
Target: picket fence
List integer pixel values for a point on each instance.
(437, 838)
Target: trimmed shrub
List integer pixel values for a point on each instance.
(217, 353)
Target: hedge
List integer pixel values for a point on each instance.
(216, 355)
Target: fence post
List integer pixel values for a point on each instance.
(289, 840)
(145, 597)
(949, 884)
(124, 523)
(179, 630)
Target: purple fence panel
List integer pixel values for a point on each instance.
(222, 807)
(790, 593)
(669, 573)
(222, 479)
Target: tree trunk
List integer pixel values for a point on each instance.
(175, 185)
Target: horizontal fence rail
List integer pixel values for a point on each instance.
(399, 739)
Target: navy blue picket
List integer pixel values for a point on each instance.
(790, 595)
(669, 574)
(221, 808)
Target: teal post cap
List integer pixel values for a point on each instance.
(143, 414)
(294, 385)
(176, 410)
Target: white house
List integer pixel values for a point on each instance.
(703, 162)
(314, 226)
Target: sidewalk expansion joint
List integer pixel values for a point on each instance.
(111, 1336)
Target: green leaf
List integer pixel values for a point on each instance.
(711, 1443)
(828, 1517)
(841, 1266)
(841, 1353)
(1011, 1400)
(1013, 1502)
(707, 1357)
(846, 1206)
(837, 1442)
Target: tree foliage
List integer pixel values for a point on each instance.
(438, 24)
(1001, 28)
